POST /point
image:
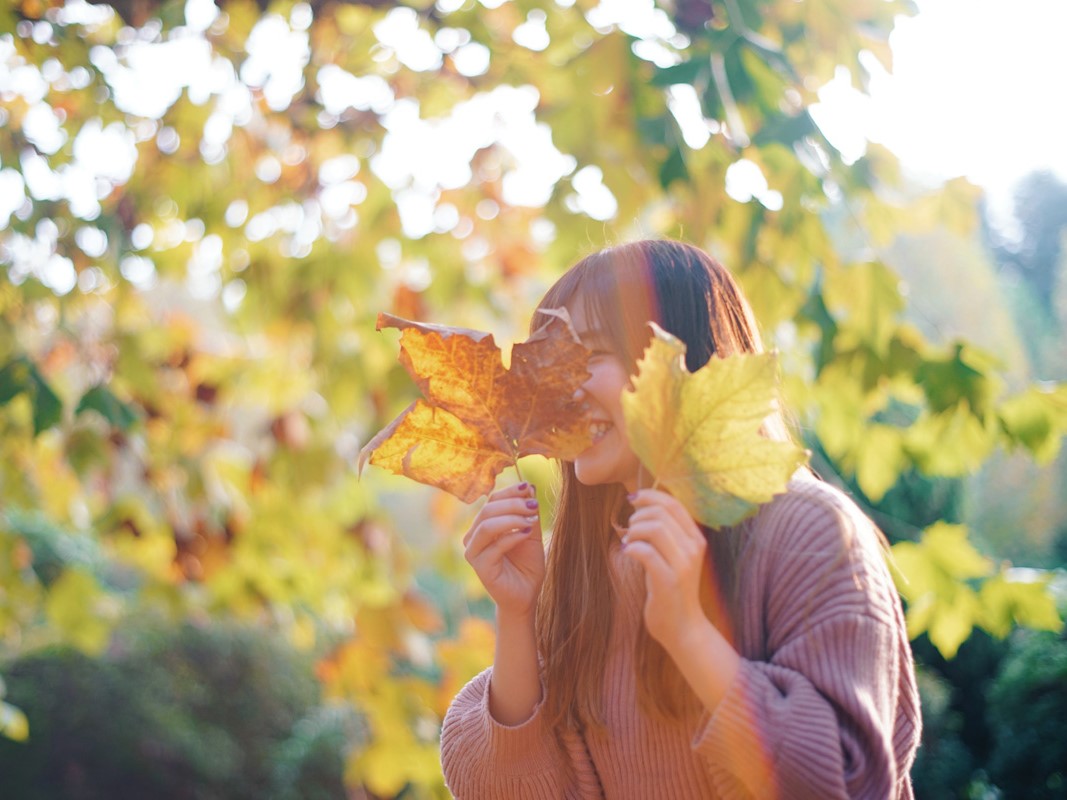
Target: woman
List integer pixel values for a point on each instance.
(646, 657)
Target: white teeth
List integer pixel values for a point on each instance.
(598, 429)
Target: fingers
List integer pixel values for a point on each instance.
(663, 524)
(651, 498)
(518, 500)
(495, 552)
(508, 511)
(487, 532)
(658, 573)
(656, 528)
(523, 489)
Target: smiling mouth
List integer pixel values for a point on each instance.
(599, 430)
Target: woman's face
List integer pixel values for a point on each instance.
(609, 458)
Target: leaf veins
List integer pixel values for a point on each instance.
(700, 435)
(479, 417)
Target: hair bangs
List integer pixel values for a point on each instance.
(616, 291)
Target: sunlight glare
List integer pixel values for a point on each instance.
(684, 104)
(414, 47)
(532, 34)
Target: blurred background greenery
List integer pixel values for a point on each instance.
(202, 210)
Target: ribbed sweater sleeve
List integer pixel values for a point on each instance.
(814, 718)
(484, 759)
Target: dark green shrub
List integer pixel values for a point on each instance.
(1027, 712)
(944, 765)
(309, 764)
(171, 713)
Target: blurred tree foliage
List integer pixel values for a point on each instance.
(204, 210)
(1034, 252)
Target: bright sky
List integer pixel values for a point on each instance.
(977, 90)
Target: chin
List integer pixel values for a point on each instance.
(598, 475)
(586, 477)
(589, 480)
(606, 462)
(591, 475)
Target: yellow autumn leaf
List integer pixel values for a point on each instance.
(1007, 602)
(81, 611)
(480, 416)
(13, 723)
(934, 576)
(699, 433)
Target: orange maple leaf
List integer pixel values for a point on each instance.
(479, 417)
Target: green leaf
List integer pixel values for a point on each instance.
(686, 72)
(673, 169)
(814, 310)
(655, 130)
(101, 400)
(785, 129)
(14, 379)
(767, 83)
(699, 433)
(961, 376)
(771, 55)
(1037, 419)
(47, 407)
(21, 376)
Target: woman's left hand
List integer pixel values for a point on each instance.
(665, 540)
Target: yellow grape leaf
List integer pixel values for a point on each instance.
(699, 433)
(463, 657)
(1007, 602)
(1037, 419)
(13, 723)
(880, 459)
(386, 767)
(934, 577)
(80, 609)
(952, 622)
(479, 417)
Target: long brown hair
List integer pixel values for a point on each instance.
(621, 289)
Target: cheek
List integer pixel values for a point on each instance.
(608, 379)
(615, 384)
(599, 383)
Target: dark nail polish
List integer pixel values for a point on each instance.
(531, 504)
(527, 529)
(523, 485)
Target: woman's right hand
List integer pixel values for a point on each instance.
(505, 548)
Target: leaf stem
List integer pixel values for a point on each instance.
(641, 473)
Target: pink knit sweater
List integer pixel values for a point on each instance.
(825, 705)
